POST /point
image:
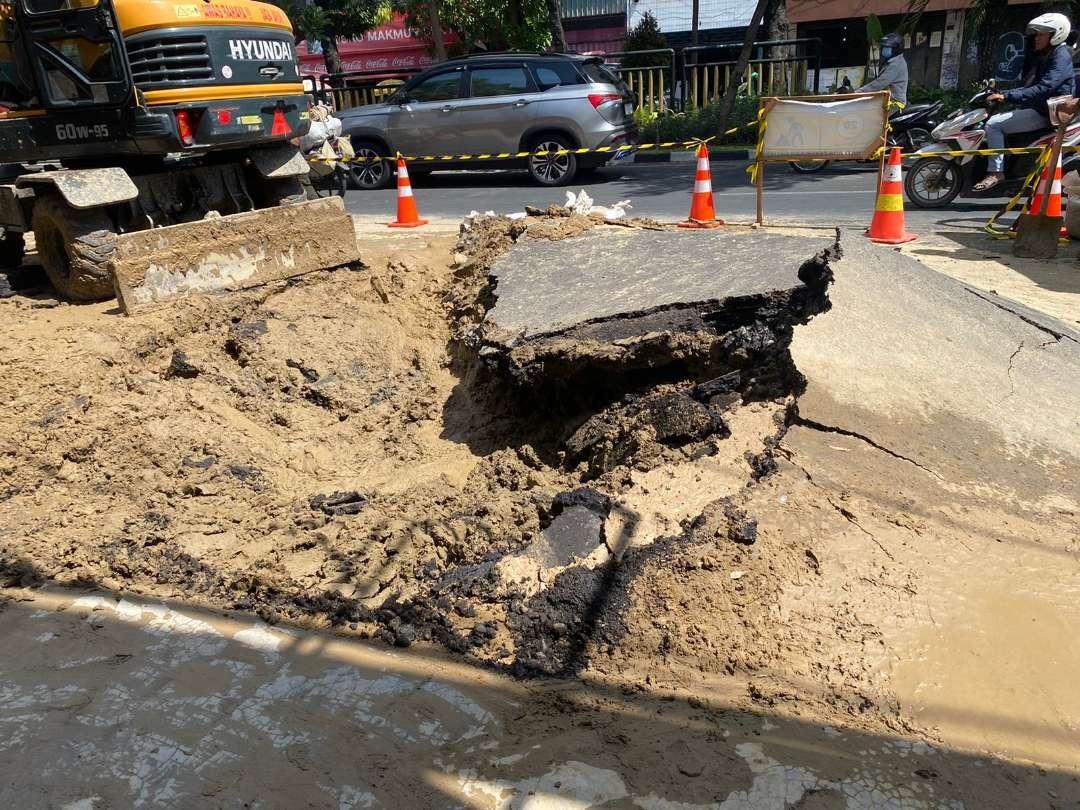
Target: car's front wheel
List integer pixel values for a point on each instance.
(552, 162)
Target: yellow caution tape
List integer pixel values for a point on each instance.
(1017, 150)
(608, 150)
(1029, 182)
(600, 150)
(755, 167)
(1013, 150)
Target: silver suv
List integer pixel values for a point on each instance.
(492, 103)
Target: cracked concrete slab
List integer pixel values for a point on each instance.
(1057, 329)
(929, 369)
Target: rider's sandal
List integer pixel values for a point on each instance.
(987, 183)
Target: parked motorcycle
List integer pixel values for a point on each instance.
(909, 129)
(935, 181)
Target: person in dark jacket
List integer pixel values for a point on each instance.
(1048, 73)
(894, 71)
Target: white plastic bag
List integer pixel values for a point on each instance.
(315, 137)
(582, 203)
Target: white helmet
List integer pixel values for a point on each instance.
(1056, 25)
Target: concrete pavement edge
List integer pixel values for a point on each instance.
(689, 156)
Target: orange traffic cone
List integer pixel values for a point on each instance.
(407, 215)
(702, 212)
(1053, 205)
(887, 226)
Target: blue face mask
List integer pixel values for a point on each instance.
(886, 53)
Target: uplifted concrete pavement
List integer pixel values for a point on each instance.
(913, 357)
(605, 312)
(943, 423)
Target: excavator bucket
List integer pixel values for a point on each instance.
(233, 252)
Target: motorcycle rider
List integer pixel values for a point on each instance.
(1047, 72)
(894, 72)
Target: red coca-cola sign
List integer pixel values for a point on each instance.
(389, 47)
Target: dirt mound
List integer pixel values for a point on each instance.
(335, 452)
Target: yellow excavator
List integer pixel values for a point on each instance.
(147, 145)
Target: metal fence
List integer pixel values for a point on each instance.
(691, 77)
(704, 81)
(574, 9)
(653, 85)
(360, 88)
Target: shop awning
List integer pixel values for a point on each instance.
(804, 11)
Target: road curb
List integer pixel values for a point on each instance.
(689, 157)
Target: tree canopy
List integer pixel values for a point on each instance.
(484, 24)
(328, 21)
(646, 36)
(342, 19)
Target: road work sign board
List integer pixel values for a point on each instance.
(836, 128)
(849, 127)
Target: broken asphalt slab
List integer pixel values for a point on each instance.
(672, 305)
(545, 287)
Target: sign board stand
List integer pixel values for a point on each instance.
(847, 127)
(761, 194)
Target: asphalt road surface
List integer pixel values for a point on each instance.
(843, 194)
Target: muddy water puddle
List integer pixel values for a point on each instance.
(996, 668)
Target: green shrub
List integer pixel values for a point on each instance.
(703, 122)
(647, 121)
